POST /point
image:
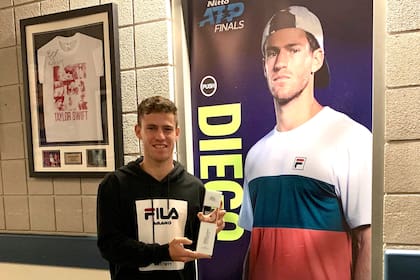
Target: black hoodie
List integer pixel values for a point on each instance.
(158, 204)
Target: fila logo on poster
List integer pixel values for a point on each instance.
(299, 163)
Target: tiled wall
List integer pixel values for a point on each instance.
(402, 125)
(68, 206)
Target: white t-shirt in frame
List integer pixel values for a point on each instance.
(70, 69)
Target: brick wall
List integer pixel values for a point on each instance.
(402, 125)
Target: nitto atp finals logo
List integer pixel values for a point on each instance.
(223, 15)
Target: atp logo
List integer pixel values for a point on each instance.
(299, 163)
(223, 15)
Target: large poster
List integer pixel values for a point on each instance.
(232, 102)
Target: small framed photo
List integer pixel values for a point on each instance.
(72, 92)
(51, 158)
(96, 157)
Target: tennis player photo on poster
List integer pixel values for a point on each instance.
(71, 79)
(281, 95)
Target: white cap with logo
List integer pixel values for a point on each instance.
(299, 17)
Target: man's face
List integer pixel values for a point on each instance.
(159, 134)
(288, 63)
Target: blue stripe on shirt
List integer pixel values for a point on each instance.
(291, 201)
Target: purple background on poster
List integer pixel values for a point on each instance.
(234, 58)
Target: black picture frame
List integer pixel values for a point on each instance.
(70, 63)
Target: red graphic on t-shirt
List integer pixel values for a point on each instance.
(69, 87)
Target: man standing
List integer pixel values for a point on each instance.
(307, 188)
(149, 210)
